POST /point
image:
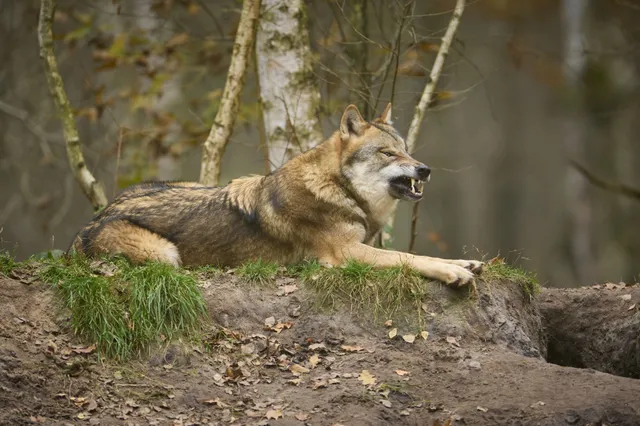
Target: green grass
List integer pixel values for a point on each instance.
(7, 263)
(499, 272)
(384, 293)
(128, 309)
(258, 272)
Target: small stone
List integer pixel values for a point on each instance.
(475, 365)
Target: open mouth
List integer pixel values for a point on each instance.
(407, 188)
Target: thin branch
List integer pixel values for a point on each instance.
(222, 128)
(90, 186)
(34, 128)
(430, 87)
(615, 187)
(425, 101)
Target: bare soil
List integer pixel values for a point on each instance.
(481, 364)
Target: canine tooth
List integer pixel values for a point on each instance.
(413, 185)
(429, 178)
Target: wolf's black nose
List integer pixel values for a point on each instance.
(423, 172)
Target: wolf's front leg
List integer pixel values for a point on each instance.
(449, 273)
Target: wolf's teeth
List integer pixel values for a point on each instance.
(413, 185)
(429, 178)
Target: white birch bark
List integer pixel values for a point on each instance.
(288, 91)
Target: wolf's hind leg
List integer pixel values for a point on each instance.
(134, 242)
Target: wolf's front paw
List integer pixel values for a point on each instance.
(457, 276)
(474, 266)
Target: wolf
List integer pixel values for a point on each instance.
(326, 204)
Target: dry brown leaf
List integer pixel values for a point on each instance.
(424, 335)
(632, 307)
(273, 414)
(409, 338)
(367, 378)
(402, 372)
(317, 347)
(294, 382)
(483, 409)
(351, 348)
(216, 402)
(85, 350)
(302, 416)
(288, 289)
(388, 323)
(314, 360)
(319, 384)
(298, 369)
(392, 333)
(452, 340)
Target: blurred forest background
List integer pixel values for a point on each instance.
(529, 86)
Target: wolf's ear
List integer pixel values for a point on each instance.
(352, 123)
(385, 117)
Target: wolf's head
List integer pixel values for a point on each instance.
(375, 159)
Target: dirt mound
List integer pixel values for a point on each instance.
(278, 360)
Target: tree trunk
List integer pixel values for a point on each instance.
(222, 127)
(90, 186)
(288, 91)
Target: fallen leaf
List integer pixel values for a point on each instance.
(52, 347)
(392, 333)
(317, 347)
(626, 297)
(402, 373)
(386, 403)
(409, 338)
(632, 307)
(298, 369)
(319, 384)
(273, 414)
(302, 416)
(367, 378)
(314, 360)
(280, 326)
(288, 289)
(295, 382)
(405, 413)
(351, 348)
(483, 409)
(424, 335)
(216, 402)
(452, 340)
(85, 350)
(388, 323)
(334, 381)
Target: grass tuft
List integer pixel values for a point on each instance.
(122, 308)
(258, 272)
(385, 293)
(498, 271)
(7, 263)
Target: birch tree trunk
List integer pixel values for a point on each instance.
(222, 127)
(576, 186)
(288, 91)
(90, 186)
(426, 98)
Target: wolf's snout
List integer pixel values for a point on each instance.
(423, 172)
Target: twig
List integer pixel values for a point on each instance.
(414, 225)
(615, 187)
(34, 128)
(66, 203)
(222, 127)
(434, 76)
(427, 96)
(115, 174)
(90, 186)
